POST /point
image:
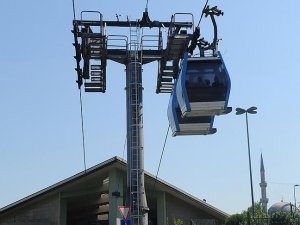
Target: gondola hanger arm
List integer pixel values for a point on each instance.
(212, 12)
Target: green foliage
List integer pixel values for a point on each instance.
(236, 219)
(174, 222)
(260, 212)
(246, 217)
(178, 222)
(261, 218)
(260, 215)
(281, 218)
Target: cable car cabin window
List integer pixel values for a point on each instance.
(206, 81)
(193, 119)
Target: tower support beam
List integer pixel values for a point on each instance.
(136, 196)
(134, 24)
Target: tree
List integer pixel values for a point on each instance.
(281, 218)
(246, 217)
(236, 219)
(260, 211)
(260, 216)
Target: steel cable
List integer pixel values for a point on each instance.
(162, 153)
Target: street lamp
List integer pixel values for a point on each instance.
(240, 111)
(296, 185)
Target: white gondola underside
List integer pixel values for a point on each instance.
(204, 109)
(193, 129)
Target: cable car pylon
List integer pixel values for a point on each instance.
(93, 47)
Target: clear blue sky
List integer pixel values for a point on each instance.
(40, 113)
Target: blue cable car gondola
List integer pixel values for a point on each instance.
(195, 125)
(203, 86)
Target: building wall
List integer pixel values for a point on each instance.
(178, 209)
(44, 212)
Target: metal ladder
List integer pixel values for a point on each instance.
(135, 104)
(95, 73)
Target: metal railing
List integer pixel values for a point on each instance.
(173, 29)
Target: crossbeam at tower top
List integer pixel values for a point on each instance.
(93, 43)
(155, 24)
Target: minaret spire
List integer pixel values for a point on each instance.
(263, 184)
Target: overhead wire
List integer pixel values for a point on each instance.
(74, 13)
(124, 147)
(280, 183)
(202, 12)
(120, 174)
(161, 156)
(82, 132)
(81, 107)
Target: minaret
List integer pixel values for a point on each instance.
(263, 185)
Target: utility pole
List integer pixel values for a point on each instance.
(240, 111)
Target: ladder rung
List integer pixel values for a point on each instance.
(96, 89)
(165, 91)
(95, 52)
(168, 68)
(163, 77)
(100, 39)
(96, 47)
(166, 88)
(93, 84)
(96, 79)
(96, 42)
(95, 67)
(166, 79)
(95, 73)
(167, 73)
(167, 85)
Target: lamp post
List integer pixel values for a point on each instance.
(240, 111)
(296, 185)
